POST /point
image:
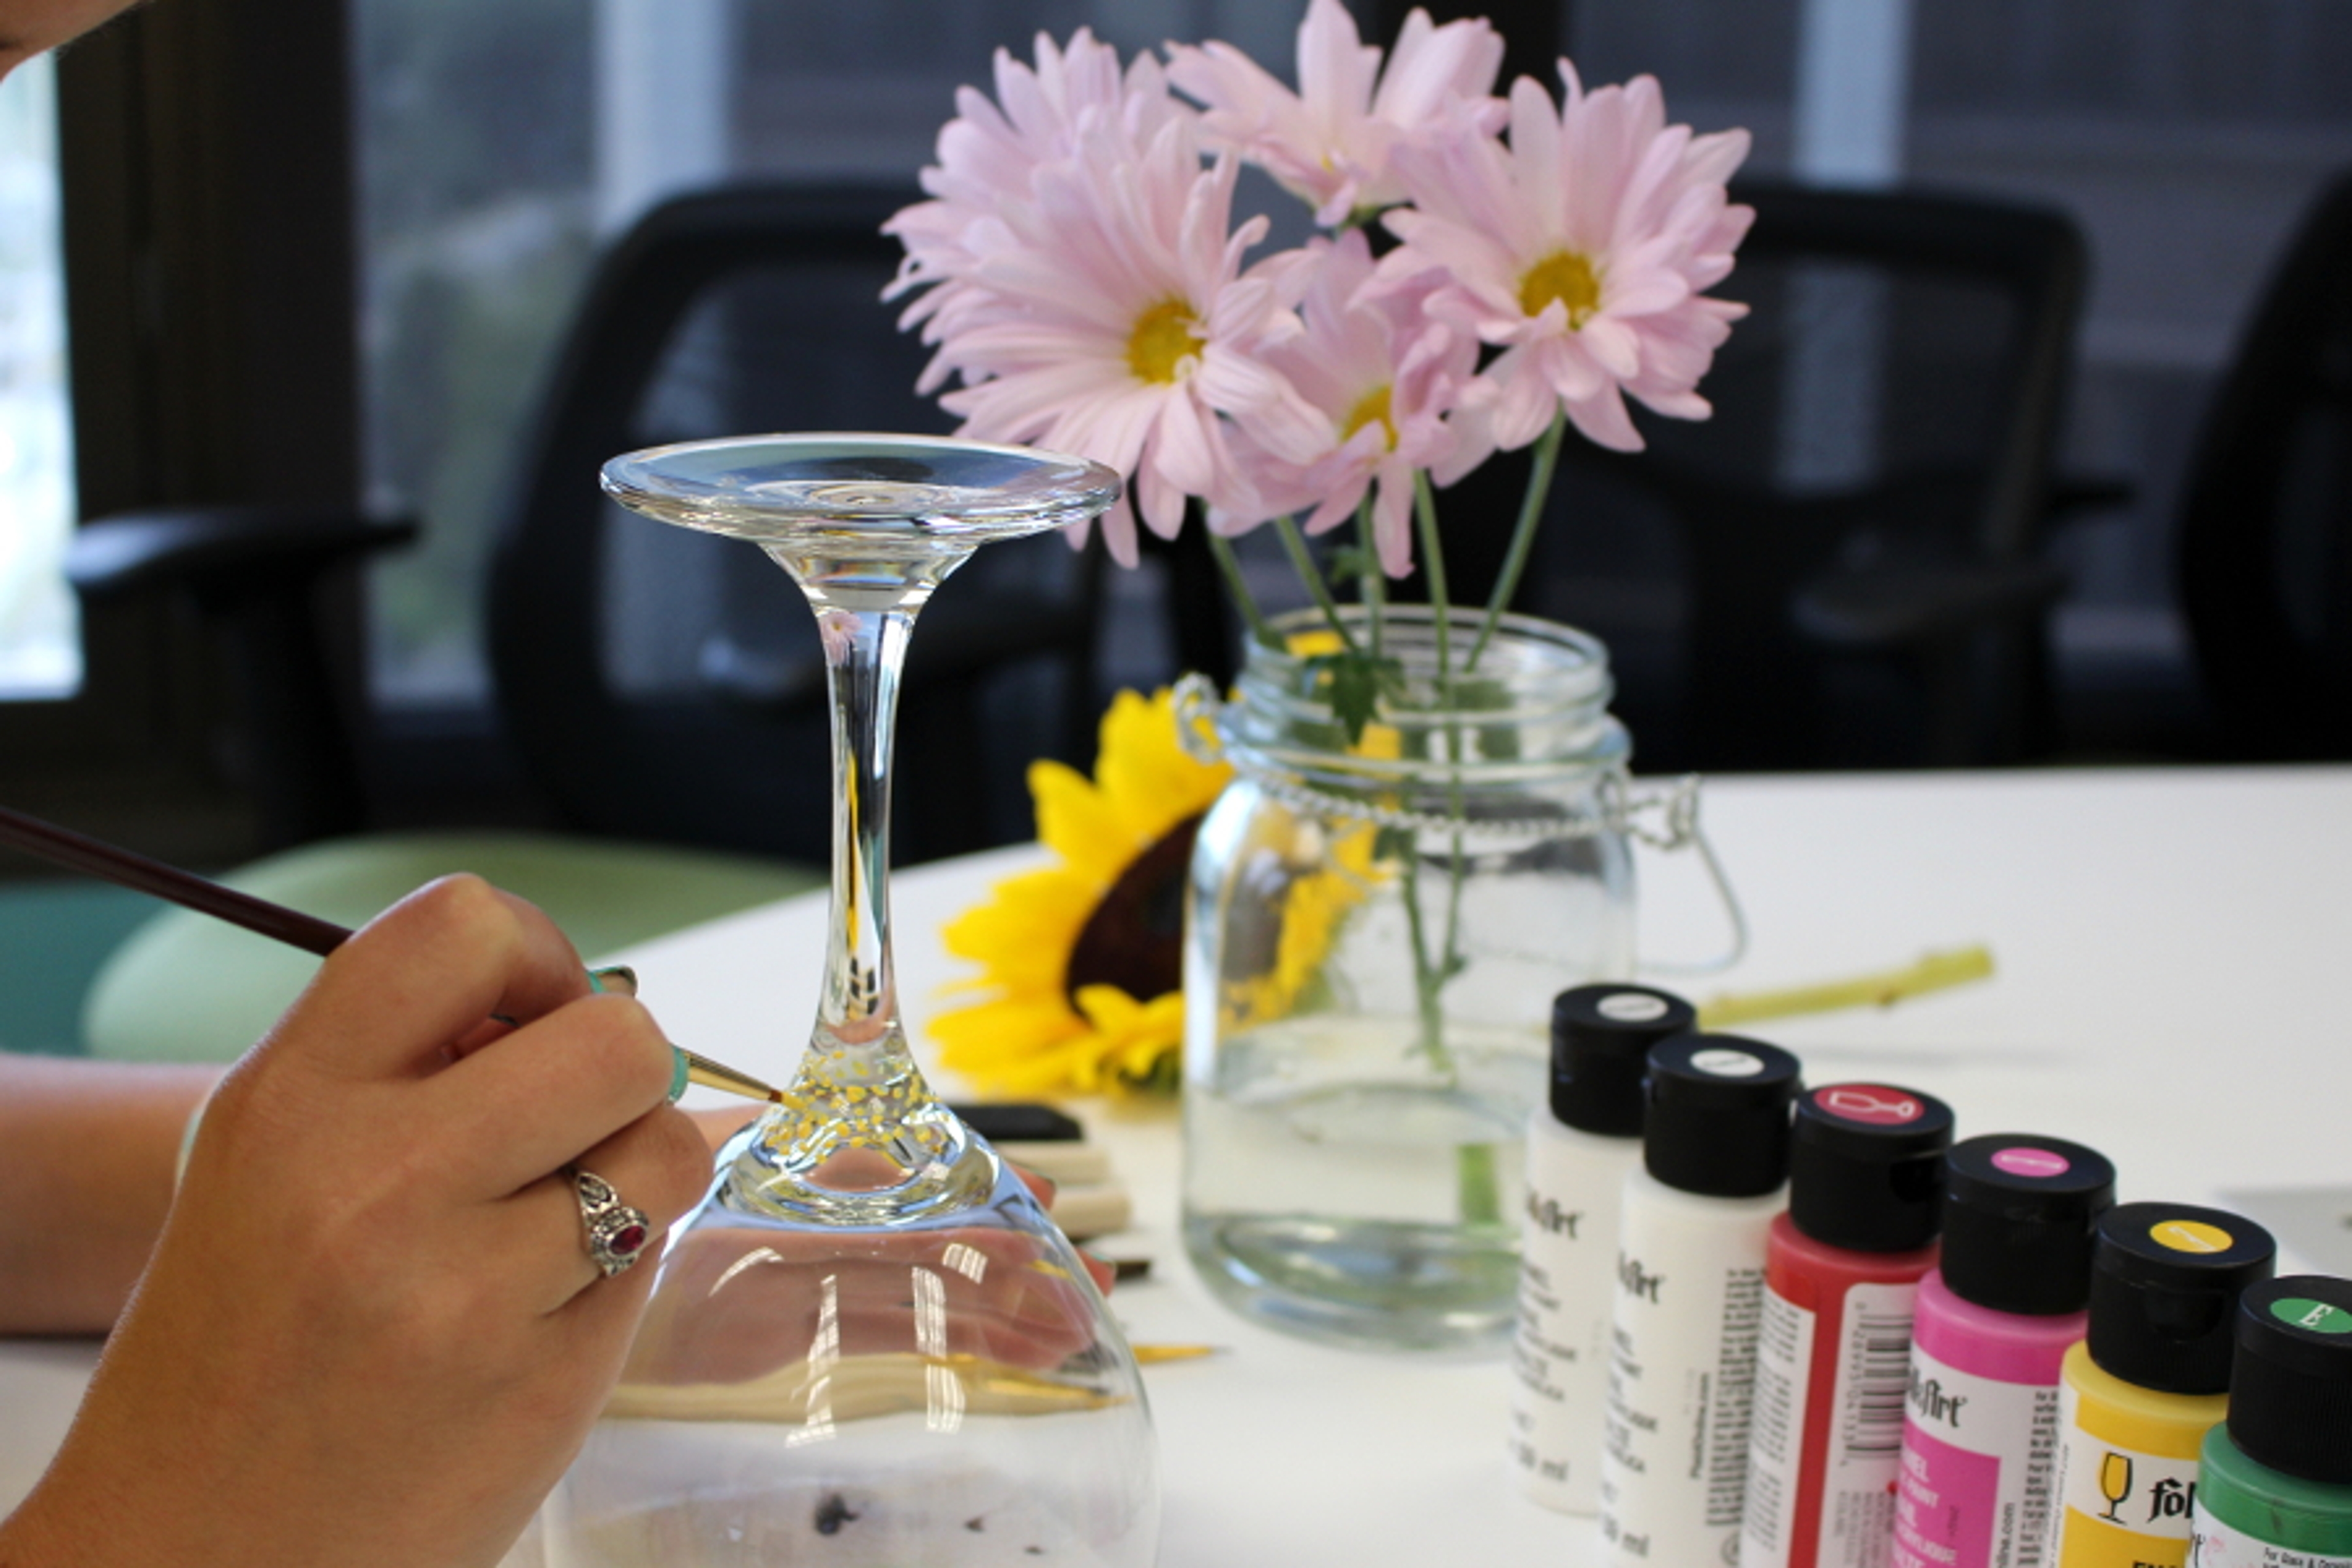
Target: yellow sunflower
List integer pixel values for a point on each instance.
(1080, 963)
(1327, 878)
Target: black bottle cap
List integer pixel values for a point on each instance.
(1600, 1041)
(2165, 1282)
(2018, 1213)
(2291, 1381)
(1719, 1120)
(1867, 1166)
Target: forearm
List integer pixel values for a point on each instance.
(86, 1154)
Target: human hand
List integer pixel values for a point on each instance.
(371, 1332)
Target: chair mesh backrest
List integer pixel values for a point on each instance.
(809, 347)
(664, 684)
(2265, 549)
(1845, 373)
(1889, 337)
(1891, 399)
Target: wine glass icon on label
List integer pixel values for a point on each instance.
(2115, 1483)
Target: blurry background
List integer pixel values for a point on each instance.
(323, 252)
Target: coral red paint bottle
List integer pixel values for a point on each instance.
(1842, 1274)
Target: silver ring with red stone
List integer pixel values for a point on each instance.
(616, 1233)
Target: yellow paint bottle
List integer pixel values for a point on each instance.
(2151, 1378)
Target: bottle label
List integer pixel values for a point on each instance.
(1775, 1431)
(2117, 1507)
(1866, 1431)
(1559, 1355)
(1973, 1489)
(1675, 1442)
(2218, 1545)
(1859, 1463)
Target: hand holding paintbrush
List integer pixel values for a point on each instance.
(380, 1309)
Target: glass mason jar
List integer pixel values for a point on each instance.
(1374, 934)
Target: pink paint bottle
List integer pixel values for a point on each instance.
(1988, 1347)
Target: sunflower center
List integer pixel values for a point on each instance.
(1565, 277)
(1135, 938)
(1163, 339)
(1374, 405)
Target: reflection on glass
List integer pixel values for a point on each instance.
(869, 1344)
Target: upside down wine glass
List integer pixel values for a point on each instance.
(869, 1344)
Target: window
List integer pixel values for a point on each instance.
(41, 644)
(499, 143)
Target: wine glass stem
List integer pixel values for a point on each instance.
(865, 652)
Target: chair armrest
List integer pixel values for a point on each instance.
(2074, 494)
(1901, 604)
(211, 549)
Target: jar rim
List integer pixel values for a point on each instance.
(1555, 668)
(1536, 674)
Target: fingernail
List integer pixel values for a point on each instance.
(619, 979)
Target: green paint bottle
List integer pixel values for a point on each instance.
(2275, 1486)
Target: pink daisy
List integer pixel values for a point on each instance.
(1332, 141)
(1383, 375)
(1581, 250)
(990, 155)
(1116, 321)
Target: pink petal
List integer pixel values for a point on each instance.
(1393, 524)
(1603, 420)
(1119, 532)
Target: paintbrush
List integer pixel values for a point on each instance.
(112, 863)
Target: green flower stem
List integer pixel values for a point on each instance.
(1433, 560)
(1523, 535)
(1294, 544)
(1433, 1018)
(1375, 591)
(1220, 550)
(1477, 1196)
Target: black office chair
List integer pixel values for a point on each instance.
(1859, 526)
(668, 685)
(2264, 547)
(657, 685)
(664, 689)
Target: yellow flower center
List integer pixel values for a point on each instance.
(1163, 339)
(1565, 277)
(1374, 405)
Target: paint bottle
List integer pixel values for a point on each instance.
(1580, 1147)
(1995, 1319)
(2275, 1488)
(1689, 1299)
(2150, 1378)
(1842, 1275)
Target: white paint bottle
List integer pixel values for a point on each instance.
(1580, 1147)
(1689, 1299)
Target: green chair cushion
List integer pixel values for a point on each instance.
(187, 988)
(55, 936)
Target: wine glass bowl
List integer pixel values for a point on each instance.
(868, 1343)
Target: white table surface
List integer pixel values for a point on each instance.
(2171, 949)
